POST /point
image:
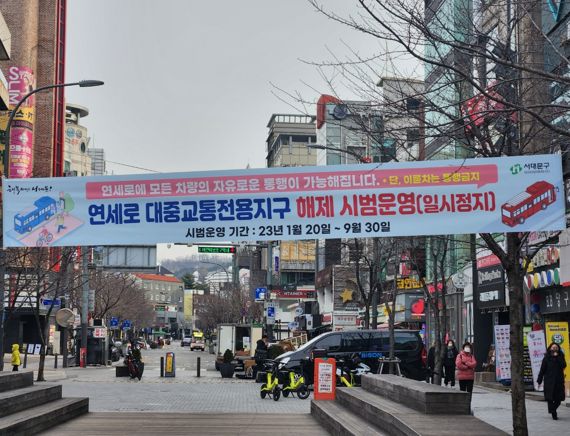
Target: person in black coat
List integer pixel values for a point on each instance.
(431, 364)
(552, 372)
(449, 355)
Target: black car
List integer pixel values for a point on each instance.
(370, 345)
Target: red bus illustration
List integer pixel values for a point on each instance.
(524, 205)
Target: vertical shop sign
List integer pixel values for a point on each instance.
(557, 332)
(20, 82)
(503, 352)
(536, 349)
(527, 364)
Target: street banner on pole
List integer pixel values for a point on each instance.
(557, 332)
(508, 194)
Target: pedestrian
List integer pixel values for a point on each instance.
(465, 363)
(552, 372)
(449, 356)
(15, 357)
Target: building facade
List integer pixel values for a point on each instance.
(37, 59)
(166, 294)
(77, 161)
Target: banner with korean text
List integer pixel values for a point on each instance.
(510, 194)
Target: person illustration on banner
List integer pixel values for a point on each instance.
(449, 356)
(552, 373)
(60, 221)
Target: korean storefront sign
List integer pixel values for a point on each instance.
(503, 352)
(342, 201)
(536, 349)
(491, 283)
(557, 332)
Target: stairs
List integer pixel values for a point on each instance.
(391, 405)
(27, 409)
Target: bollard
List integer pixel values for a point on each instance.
(55, 362)
(198, 368)
(26, 357)
(162, 366)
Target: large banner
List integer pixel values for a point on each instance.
(512, 194)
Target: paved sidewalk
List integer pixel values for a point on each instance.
(495, 408)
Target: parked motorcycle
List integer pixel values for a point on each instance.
(133, 362)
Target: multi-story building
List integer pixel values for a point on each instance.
(37, 58)
(5, 49)
(166, 294)
(77, 161)
(97, 155)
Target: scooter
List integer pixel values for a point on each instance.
(271, 387)
(296, 385)
(349, 372)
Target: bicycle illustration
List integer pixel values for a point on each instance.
(44, 238)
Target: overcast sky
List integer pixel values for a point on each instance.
(188, 83)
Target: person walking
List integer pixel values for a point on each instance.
(466, 363)
(449, 356)
(15, 357)
(552, 373)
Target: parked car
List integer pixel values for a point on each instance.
(197, 344)
(186, 341)
(370, 346)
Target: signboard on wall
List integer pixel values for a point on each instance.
(508, 194)
(491, 284)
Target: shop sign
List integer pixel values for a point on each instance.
(344, 320)
(491, 287)
(409, 283)
(554, 300)
(557, 332)
(502, 352)
(294, 295)
(536, 349)
(327, 318)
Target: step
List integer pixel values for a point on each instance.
(15, 380)
(339, 421)
(399, 420)
(26, 398)
(424, 397)
(40, 418)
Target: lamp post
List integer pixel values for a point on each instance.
(81, 84)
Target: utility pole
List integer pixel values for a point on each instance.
(84, 306)
(269, 283)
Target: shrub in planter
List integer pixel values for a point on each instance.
(227, 367)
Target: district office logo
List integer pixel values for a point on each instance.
(557, 338)
(555, 7)
(515, 169)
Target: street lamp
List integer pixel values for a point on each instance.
(81, 84)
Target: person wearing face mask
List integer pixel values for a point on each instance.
(449, 356)
(466, 363)
(552, 373)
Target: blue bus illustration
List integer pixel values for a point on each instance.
(42, 210)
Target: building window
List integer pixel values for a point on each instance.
(412, 104)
